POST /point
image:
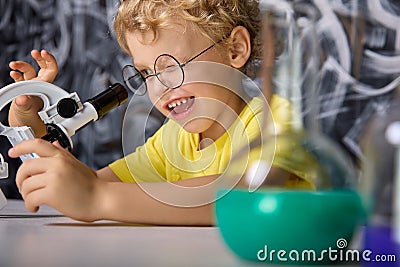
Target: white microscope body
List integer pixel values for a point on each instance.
(63, 113)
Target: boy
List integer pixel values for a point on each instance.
(167, 40)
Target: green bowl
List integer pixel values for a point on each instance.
(288, 227)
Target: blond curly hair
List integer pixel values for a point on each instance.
(214, 18)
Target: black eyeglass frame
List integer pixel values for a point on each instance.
(156, 74)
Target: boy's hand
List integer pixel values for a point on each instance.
(24, 112)
(57, 179)
(24, 109)
(23, 71)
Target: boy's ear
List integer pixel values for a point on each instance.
(240, 48)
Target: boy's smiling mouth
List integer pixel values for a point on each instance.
(179, 108)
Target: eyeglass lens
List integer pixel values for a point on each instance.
(169, 71)
(134, 80)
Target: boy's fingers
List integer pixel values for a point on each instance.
(24, 111)
(29, 169)
(16, 76)
(41, 61)
(48, 66)
(50, 60)
(44, 59)
(28, 103)
(35, 54)
(38, 146)
(27, 69)
(22, 102)
(34, 199)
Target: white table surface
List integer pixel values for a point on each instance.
(47, 239)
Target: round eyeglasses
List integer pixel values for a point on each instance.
(167, 69)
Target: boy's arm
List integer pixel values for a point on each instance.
(128, 202)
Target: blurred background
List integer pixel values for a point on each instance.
(358, 74)
(359, 44)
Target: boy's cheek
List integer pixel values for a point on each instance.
(153, 98)
(157, 103)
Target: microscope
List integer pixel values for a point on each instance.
(63, 114)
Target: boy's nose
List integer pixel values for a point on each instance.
(157, 87)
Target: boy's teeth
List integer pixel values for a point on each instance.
(178, 102)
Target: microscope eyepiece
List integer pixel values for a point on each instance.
(109, 99)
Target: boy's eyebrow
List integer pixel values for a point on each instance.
(178, 56)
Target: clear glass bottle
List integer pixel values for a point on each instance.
(300, 191)
(380, 183)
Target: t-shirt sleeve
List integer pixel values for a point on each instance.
(146, 164)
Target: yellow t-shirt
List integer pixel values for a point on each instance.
(172, 153)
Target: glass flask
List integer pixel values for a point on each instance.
(297, 195)
(380, 184)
